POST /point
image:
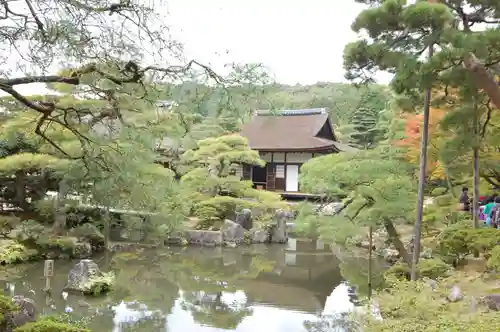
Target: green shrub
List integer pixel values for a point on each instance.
(6, 307)
(63, 244)
(454, 242)
(30, 231)
(445, 201)
(433, 268)
(89, 233)
(398, 271)
(15, 252)
(45, 210)
(438, 191)
(220, 207)
(51, 324)
(484, 240)
(100, 285)
(415, 306)
(493, 262)
(7, 224)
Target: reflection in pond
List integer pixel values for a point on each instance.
(201, 289)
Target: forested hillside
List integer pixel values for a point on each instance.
(236, 105)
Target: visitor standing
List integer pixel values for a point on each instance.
(490, 203)
(495, 213)
(464, 199)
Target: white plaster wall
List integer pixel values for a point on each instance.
(298, 157)
(279, 157)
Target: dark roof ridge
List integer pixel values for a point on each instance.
(292, 112)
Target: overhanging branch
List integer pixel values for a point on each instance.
(483, 77)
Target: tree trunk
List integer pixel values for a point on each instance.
(475, 169)
(370, 254)
(396, 241)
(21, 190)
(107, 227)
(421, 179)
(453, 212)
(483, 77)
(60, 208)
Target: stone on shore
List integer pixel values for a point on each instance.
(87, 278)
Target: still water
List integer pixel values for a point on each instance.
(265, 288)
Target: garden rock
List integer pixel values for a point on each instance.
(279, 233)
(259, 235)
(204, 238)
(365, 244)
(26, 313)
(390, 255)
(81, 273)
(492, 301)
(232, 232)
(331, 209)
(455, 294)
(244, 219)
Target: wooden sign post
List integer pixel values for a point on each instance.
(48, 273)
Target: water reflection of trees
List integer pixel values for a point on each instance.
(203, 278)
(342, 322)
(205, 281)
(214, 311)
(355, 269)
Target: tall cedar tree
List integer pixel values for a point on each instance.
(364, 128)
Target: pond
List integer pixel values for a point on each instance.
(261, 288)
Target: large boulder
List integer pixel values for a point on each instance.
(204, 238)
(279, 232)
(259, 235)
(232, 232)
(86, 277)
(492, 301)
(390, 255)
(331, 209)
(455, 294)
(244, 219)
(25, 314)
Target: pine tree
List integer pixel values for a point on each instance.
(364, 128)
(399, 32)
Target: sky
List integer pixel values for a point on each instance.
(299, 41)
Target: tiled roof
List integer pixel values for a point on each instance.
(288, 130)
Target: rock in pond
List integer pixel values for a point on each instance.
(204, 238)
(86, 277)
(279, 233)
(232, 232)
(26, 313)
(244, 219)
(259, 235)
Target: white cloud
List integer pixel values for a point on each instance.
(299, 41)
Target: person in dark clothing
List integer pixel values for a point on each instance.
(464, 199)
